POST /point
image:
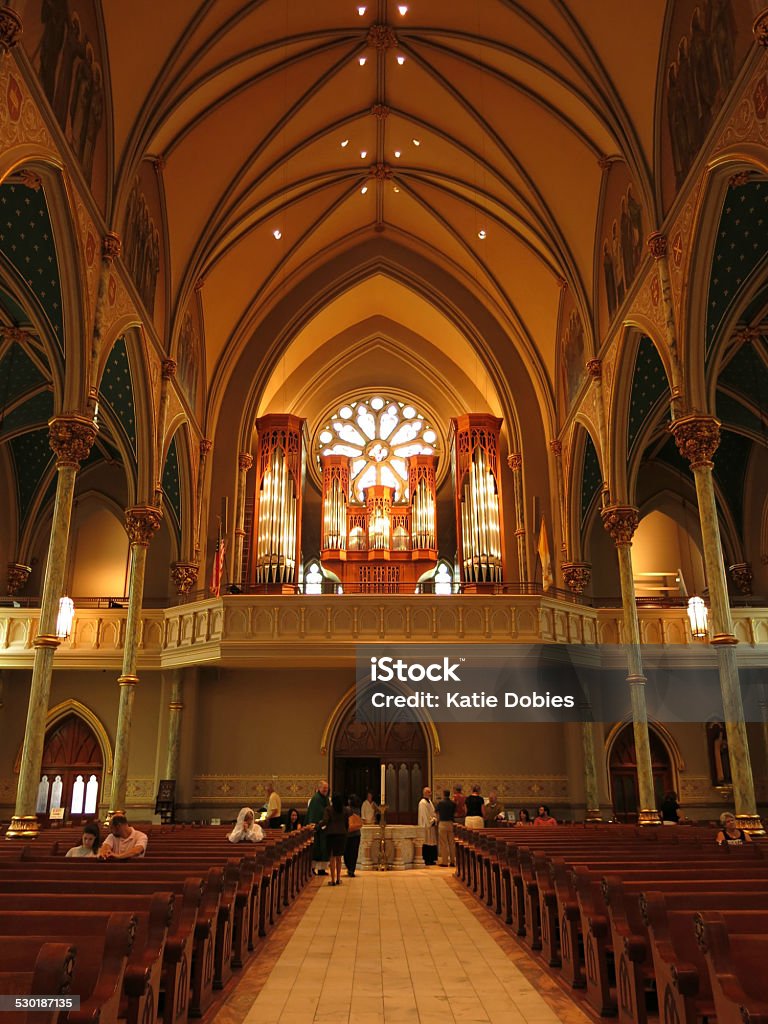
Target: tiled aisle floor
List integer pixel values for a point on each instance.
(406, 948)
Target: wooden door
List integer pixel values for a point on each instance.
(72, 770)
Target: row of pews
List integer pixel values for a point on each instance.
(650, 922)
(142, 941)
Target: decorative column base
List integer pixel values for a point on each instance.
(23, 827)
(751, 823)
(592, 816)
(648, 818)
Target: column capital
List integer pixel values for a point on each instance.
(184, 576)
(620, 521)
(697, 437)
(11, 28)
(168, 369)
(657, 244)
(71, 438)
(111, 247)
(742, 576)
(595, 369)
(760, 28)
(577, 576)
(515, 461)
(141, 523)
(556, 447)
(205, 447)
(17, 576)
(245, 461)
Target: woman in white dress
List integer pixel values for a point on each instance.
(91, 841)
(246, 830)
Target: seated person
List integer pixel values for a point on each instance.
(91, 841)
(124, 842)
(294, 821)
(246, 830)
(523, 818)
(730, 834)
(543, 818)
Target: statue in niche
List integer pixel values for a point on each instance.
(719, 758)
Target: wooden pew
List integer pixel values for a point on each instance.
(51, 975)
(736, 966)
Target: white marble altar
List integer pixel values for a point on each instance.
(402, 843)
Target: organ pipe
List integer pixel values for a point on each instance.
(478, 512)
(278, 516)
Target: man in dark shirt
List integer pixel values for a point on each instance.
(446, 846)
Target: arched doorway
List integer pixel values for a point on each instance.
(72, 770)
(623, 772)
(360, 748)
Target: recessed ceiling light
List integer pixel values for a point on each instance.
(363, 190)
(277, 233)
(361, 60)
(397, 153)
(416, 142)
(344, 143)
(395, 189)
(363, 154)
(401, 59)
(403, 9)
(361, 11)
(481, 234)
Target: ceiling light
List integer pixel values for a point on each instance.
(277, 233)
(397, 152)
(395, 189)
(363, 154)
(481, 234)
(361, 11)
(345, 142)
(401, 59)
(403, 9)
(416, 142)
(363, 190)
(361, 60)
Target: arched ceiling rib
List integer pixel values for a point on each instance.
(510, 102)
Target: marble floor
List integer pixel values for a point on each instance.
(394, 948)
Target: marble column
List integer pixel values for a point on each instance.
(71, 437)
(591, 787)
(658, 248)
(621, 522)
(167, 373)
(556, 447)
(175, 708)
(697, 436)
(244, 463)
(141, 524)
(515, 463)
(205, 451)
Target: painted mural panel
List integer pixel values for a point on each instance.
(706, 45)
(142, 241)
(622, 237)
(573, 354)
(63, 41)
(189, 368)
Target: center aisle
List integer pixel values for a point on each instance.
(400, 948)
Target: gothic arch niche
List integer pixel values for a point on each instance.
(622, 769)
(357, 750)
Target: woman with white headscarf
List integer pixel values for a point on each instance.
(246, 830)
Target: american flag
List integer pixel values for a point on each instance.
(218, 566)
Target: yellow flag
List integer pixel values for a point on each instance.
(547, 579)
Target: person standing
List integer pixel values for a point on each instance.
(274, 808)
(354, 824)
(669, 809)
(428, 821)
(446, 845)
(335, 830)
(368, 810)
(493, 812)
(475, 804)
(461, 803)
(315, 815)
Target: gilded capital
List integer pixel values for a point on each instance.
(245, 461)
(184, 576)
(111, 246)
(595, 369)
(657, 244)
(168, 369)
(739, 178)
(697, 438)
(16, 577)
(742, 576)
(760, 28)
(141, 523)
(621, 522)
(205, 448)
(381, 37)
(577, 576)
(10, 29)
(556, 447)
(515, 461)
(71, 438)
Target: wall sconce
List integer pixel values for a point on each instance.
(698, 617)
(65, 617)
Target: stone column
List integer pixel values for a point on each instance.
(591, 787)
(697, 436)
(16, 578)
(556, 447)
(205, 451)
(594, 369)
(141, 523)
(167, 373)
(515, 463)
(244, 463)
(71, 437)
(621, 522)
(175, 708)
(657, 246)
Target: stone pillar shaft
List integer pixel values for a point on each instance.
(515, 463)
(71, 438)
(591, 790)
(244, 463)
(175, 709)
(141, 524)
(205, 450)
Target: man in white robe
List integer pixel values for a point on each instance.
(428, 821)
